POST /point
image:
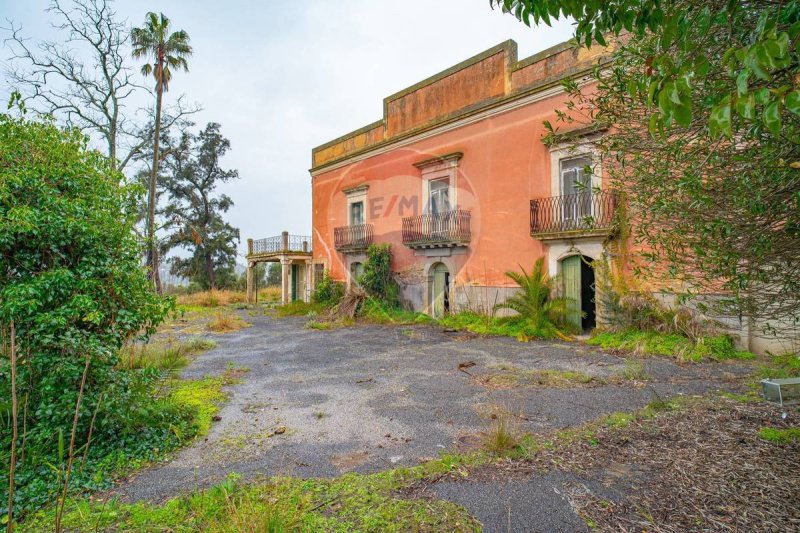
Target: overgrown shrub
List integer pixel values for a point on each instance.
(71, 283)
(328, 291)
(535, 301)
(377, 278)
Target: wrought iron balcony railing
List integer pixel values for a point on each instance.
(284, 243)
(353, 238)
(590, 211)
(437, 230)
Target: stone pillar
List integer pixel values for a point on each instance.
(286, 275)
(250, 289)
(305, 246)
(249, 246)
(309, 280)
(285, 240)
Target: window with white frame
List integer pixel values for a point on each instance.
(576, 188)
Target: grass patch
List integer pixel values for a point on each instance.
(510, 376)
(511, 326)
(224, 322)
(780, 436)
(377, 312)
(781, 366)
(301, 308)
(503, 437)
(352, 502)
(716, 348)
(168, 355)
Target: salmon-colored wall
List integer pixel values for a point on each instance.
(504, 166)
(476, 83)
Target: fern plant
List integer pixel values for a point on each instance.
(535, 301)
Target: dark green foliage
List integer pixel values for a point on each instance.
(377, 278)
(71, 281)
(510, 326)
(194, 213)
(328, 291)
(535, 301)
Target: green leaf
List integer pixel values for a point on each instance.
(792, 102)
(720, 120)
(772, 117)
(746, 107)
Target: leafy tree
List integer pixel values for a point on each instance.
(194, 212)
(168, 51)
(73, 290)
(274, 274)
(705, 108)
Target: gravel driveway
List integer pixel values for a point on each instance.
(367, 398)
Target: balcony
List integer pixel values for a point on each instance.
(356, 238)
(439, 230)
(588, 213)
(279, 245)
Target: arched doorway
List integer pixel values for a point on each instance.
(439, 290)
(577, 277)
(356, 269)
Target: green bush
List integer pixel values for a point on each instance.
(377, 278)
(71, 282)
(328, 291)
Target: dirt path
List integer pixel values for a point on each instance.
(368, 398)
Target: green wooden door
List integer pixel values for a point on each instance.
(571, 278)
(294, 282)
(439, 286)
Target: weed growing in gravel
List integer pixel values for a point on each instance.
(633, 370)
(225, 322)
(301, 308)
(510, 376)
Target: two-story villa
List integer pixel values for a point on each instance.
(456, 178)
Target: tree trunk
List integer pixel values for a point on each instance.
(152, 246)
(212, 282)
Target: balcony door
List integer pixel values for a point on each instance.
(439, 205)
(576, 191)
(356, 213)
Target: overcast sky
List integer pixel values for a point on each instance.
(283, 77)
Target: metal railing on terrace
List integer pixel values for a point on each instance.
(352, 238)
(590, 211)
(449, 228)
(280, 244)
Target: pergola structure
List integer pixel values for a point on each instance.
(293, 252)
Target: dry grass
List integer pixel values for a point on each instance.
(213, 298)
(224, 322)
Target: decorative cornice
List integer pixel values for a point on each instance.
(452, 157)
(356, 189)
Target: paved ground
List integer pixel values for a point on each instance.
(367, 398)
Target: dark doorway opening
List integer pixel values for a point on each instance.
(588, 304)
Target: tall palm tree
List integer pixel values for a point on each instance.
(167, 51)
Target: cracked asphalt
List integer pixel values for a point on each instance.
(367, 398)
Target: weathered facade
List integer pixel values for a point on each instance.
(457, 178)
